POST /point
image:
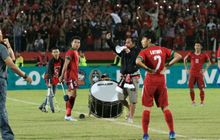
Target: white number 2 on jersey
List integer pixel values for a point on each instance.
(158, 58)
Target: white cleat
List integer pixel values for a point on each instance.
(69, 118)
(202, 104)
(130, 120)
(193, 103)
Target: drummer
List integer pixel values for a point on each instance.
(129, 83)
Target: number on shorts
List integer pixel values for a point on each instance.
(157, 57)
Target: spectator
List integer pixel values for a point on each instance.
(179, 42)
(30, 38)
(211, 25)
(42, 59)
(61, 44)
(117, 61)
(39, 44)
(82, 59)
(53, 19)
(17, 30)
(19, 62)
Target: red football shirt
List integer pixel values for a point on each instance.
(218, 53)
(57, 68)
(197, 62)
(72, 69)
(155, 58)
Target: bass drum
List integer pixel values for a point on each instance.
(103, 100)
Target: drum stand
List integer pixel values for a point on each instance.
(91, 105)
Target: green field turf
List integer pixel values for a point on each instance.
(191, 123)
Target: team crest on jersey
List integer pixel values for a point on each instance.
(94, 76)
(81, 77)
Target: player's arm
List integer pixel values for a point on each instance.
(10, 63)
(65, 65)
(139, 62)
(208, 64)
(176, 58)
(185, 62)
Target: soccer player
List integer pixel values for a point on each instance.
(51, 77)
(130, 74)
(153, 59)
(70, 74)
(196, 72)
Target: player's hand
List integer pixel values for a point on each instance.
(28, 79)
(164, 70)
(108, 36)
(61, 79)
(151, 70)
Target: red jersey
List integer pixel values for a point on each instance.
(72, 69)
(155, 58)
(218, 53)
(54, 69)
(197, 62)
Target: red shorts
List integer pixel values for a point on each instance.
(54, 81)
(196, 79)
(72, 84)
(157, 93)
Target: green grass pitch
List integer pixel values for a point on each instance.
(191, 123)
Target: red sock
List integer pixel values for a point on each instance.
(192, 95)
(69, 105)
(145, 121)
(72, 101)
(68, 109)
(169, 119)
(202, 96)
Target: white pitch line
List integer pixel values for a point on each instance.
(139, 126)
(21, 101)
(111, 120)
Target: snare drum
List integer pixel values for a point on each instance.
(103, 100)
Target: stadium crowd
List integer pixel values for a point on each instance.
(33, 25)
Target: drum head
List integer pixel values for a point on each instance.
(104, 91)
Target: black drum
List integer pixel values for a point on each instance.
(103, 100)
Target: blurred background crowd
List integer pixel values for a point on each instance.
(33, 25)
